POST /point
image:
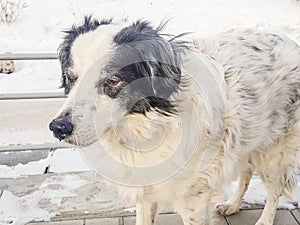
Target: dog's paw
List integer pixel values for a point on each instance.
(226, 208)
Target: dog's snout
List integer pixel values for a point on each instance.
(61, 128)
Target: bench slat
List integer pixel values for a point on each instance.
(28, 56)
(33, 147)
(33, 95)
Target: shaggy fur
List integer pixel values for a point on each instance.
(249, 122)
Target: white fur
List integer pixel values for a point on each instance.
(274, 158)
(237, 133)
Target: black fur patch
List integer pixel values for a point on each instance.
(147, 104)
(89, 24)
(142, 53)
(138, 31)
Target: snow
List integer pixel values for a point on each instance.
(63, 160)
(130, 210)
(39, 26)
(46, 76)
(257, 195)
(9, 207)
(20, 210)
(38, 29)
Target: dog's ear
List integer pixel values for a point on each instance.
(149, 55)
(163, 77)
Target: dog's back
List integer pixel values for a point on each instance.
(262, 73)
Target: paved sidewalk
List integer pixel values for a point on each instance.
(244, 217)
(94, 203)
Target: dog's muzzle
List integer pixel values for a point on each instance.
(61, 128)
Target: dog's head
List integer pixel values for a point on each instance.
(111, 72)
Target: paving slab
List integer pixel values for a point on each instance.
(169, 219)
(163, 219)
(67, 222)
(296, 214)
(284, 217)
(221, 220)
(104, 221)
(244, 217)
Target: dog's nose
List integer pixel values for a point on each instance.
(61, 128)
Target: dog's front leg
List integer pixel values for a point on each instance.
(145, 213)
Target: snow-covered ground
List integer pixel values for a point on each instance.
(62, 160)
(31, 76)
(38, 29)
(40, 25)
(20, 210)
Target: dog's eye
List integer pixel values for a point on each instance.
(113, 86)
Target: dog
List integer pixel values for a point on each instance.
(183, 118)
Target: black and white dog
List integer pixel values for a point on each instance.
(215, 108)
